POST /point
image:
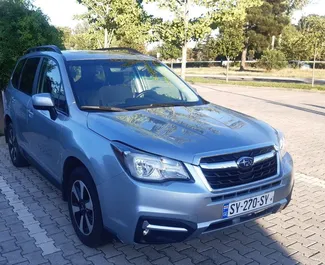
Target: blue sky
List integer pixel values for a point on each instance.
(61, 13)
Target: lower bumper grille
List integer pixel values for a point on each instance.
(230, 177)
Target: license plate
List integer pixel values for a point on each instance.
(247, 205)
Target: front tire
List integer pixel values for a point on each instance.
(16, 156)
(84, 209)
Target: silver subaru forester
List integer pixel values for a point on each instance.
(137, 153)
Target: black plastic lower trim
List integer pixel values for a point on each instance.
(43, 172)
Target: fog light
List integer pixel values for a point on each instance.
(145, 232)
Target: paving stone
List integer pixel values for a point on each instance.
(29, 247)
(141, 261)
(8, 246)
(130, 252)
(215, 256)
(235, 256)
(56, 258)
(195, 256)
(261, 259)
(14, 257)
(172, 254)
(78, 259)
(151, 253)
(5, 236)
(184, 262)
(119, 260)
(68, 248)
(162, 261)
(99, 259)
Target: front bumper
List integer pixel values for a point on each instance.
(176, 211)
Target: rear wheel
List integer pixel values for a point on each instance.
(16, 156)
(84, 208)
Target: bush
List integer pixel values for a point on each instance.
(273, 59)
(22, 26)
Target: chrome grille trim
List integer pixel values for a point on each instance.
(221, 165)
(233, 164)
(261, 158)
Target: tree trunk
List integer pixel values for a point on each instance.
(184, 59)
(184, 48)
(243, 58)
(106, 30)
(106, 39)
(227, 71)
(314, 67)
(273, 42)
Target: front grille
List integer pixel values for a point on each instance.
(225, 178)
(236, 156)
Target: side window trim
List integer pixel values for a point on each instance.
(39, 78)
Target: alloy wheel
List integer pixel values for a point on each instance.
(82, 207)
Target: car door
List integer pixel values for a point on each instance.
(21, 99)
(45, 142)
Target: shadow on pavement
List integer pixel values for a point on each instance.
(316, 106)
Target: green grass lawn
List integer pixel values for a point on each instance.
(194, 80)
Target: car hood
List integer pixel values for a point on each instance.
(183, 133)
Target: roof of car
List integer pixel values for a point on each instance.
(71, 55)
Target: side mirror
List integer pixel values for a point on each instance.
(44, 101)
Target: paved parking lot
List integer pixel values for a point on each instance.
(35, 227)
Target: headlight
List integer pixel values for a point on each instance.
(149, 167)
(281, 144)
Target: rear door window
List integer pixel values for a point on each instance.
(16, 76)
(28, 75)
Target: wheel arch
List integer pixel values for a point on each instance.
(70, 164)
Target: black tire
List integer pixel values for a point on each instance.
(95, 235)
(15, 153)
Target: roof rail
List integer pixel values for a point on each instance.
(130, 50)
(51, 48)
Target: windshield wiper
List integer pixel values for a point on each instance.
(99, 108)
(156, 105)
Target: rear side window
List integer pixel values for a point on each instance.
(16, 76)
(28, 75)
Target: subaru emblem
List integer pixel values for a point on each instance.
(245, 162)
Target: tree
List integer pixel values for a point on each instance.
(313, 28)
(229, 42)
(179, 31)
(170, 51)
(124, 21)
(22, 26)
(262, 23)
(184, 28)
(82, 37)
(294, 44)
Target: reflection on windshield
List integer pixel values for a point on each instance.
(127, 83)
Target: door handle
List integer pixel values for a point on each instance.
(30, 113)
(13, 100)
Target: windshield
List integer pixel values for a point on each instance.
(127, 84)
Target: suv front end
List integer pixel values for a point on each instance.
(172, 210)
